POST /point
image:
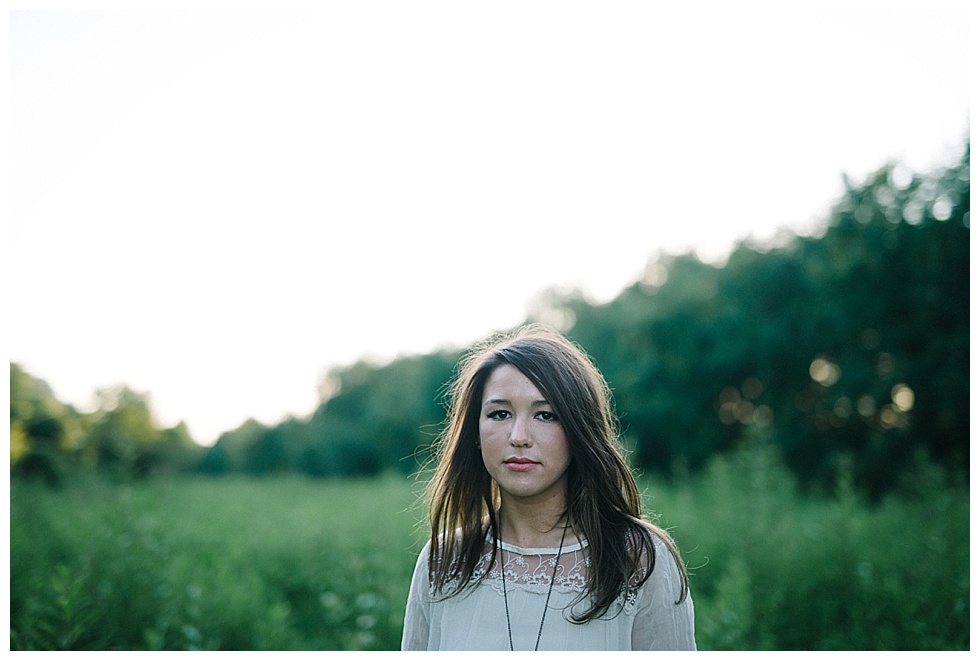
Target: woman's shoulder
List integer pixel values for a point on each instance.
(654, 549)
(646, 535)
(447, 549)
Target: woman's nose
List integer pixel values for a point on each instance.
(518, 432)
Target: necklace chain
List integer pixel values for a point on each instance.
(544, 613)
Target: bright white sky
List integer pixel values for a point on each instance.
(216, 207)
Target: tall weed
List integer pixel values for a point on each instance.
(772, 569)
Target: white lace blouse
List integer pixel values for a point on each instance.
(476, 619)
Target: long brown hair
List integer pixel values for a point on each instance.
(602, 498)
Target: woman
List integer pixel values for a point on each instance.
(537, 540)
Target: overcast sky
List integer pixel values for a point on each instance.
(216, 207)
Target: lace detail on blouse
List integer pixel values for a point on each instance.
(532, 570)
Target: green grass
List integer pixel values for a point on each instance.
(771, 569)
(233, 564)
(290, 563)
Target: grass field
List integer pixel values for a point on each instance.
(290, 563)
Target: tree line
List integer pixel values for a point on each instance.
(848, 352)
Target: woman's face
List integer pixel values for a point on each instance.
(521, 439)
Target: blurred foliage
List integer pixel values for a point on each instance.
(775, 570)
(849, 350)
(288, 562)
(197, 564)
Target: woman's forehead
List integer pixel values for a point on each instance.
(506, 382)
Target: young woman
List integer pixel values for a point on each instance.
(537, 538)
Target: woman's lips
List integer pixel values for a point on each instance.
(521, 465)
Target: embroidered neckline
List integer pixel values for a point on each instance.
(532, 569)
(578, 546)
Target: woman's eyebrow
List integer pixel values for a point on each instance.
(506, 402)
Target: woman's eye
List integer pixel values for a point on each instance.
(548, 416)
(498, 415)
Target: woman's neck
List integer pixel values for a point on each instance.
(532, 525)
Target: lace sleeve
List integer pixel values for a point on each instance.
(415, 635)
(661, 623)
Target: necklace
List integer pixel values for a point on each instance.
(503, 580)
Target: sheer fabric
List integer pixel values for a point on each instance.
(645, 618)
